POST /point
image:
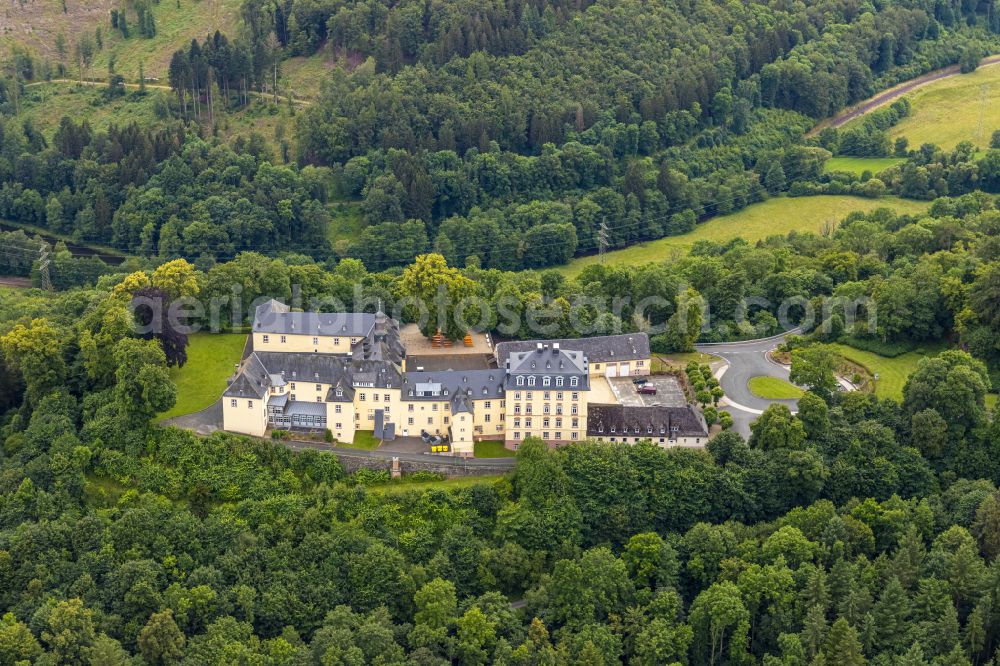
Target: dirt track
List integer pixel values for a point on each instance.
(891, 94)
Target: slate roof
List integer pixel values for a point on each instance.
(625, 347)
(276, 317)
(546, 360)
(444, 385)
(687, 420)
(261, 370)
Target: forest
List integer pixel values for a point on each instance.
(472, 149)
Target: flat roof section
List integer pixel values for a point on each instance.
(439, 362)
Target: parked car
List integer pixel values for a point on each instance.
(647, 389)
(425, 436)
(435, 440)
(640, 381)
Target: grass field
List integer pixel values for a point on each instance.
(492, 449)
(858, 165)
(211, 357)
(363, 439)
(953, 110)
(892, 372)
(773, 388)
(777, 216)
(175, 28)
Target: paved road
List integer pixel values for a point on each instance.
(745, 360)
(892, 93)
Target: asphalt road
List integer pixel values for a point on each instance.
(745, 360)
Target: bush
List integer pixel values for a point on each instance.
(328, 435)
(875, 346)
(280, 434)
(423, 476)
(371, 477)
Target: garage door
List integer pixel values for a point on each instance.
(611, 370)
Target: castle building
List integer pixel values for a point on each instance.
(346, 372)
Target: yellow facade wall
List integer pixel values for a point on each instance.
(293, 342)
(562, 413)
(245, 415)
(636, 368)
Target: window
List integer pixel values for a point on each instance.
(546, 381)
(520, 380)
(517, 423)
(545, 423)
(597, 366)
(430, 420)
(292, 397)
(574, 409)
(409, 421)
(250, 404)
(573, 436)
(409, 407)
(573, 381)
(649, 430)
(640, 363)
(293, 386)
(527, 423)
(232, 403)
(336, 341)
(446, 420)
(315, 341)
(527, 408)
(434, 407)
(528, 395)
(545, 435)
(501, 416)
(283, 340)
(266, 339)
(531, 380)
(612, 428)
(517, 435)
(486, 418)
(559, 395)
(386, 397)
(575, 396)
(374, 397)
(558, 408)
(319, 387)
(576, 423)
(559, 381)
(447, 407)
(487, 404)
(337, 426)
(559, 423)
(517, 395)
(319, 398)
(558, 435)
(337, 409)
(547, 396)
(545, 408)
(361, 396)
(340, 393)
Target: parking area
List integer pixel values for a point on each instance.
(601, 391)
(668, 391)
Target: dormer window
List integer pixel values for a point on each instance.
(520, 380)
(559, 381)
(612, 429)
(486, 391)
(531, 380)
(600, 428)
(446, 391)
(340, 393)
(546, 380)
(573, 381)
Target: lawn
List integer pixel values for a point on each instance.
(363, 439)
(773, 388)
(201, 381)
(952, 110)
(858, 165)
(892, 373)
(777, 216)
(492, 449)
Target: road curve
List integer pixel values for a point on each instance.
(745, 360)
(893, 93)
